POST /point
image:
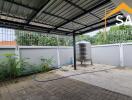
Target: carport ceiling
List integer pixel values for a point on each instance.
(55, 16)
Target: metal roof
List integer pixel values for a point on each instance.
(55, 16)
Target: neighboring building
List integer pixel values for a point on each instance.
(10, 43)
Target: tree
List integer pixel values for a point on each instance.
(32, 38)
(116, 34)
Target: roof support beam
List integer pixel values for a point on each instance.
(95, 23)
(38, 12)
(11, 1)
(73, 4)
(101, 3)
(99, 27)
(62, 18)
(23, 26)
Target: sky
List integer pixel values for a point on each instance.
(7, 34)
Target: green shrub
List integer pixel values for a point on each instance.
(46, 64)
(9, 66)
(26, 67)
(4, 72)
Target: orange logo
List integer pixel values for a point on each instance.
(122, 6)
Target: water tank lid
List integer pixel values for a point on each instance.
(84, 42)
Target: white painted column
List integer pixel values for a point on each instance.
(121, 55)
(58, 53)
(17, 53)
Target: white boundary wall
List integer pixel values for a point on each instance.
(112, 54)
(127, 54)
(35, 53)
(106, 54)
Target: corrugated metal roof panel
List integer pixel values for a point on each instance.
(72, 26)
(85, 29)
(101, 11)
(31, 3)
(89, 3)
(45, 18)
(15, 10)
(66, 14)
(62, 8)
(87, 19)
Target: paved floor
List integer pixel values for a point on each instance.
(63, 89)
(114, 79)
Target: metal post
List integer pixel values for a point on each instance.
(74, 50)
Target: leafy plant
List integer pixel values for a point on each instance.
(3, 71)
(46, 64)
(23, 66)
(12, 67)
(9, 66)
(32, 38)
(26, 67)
